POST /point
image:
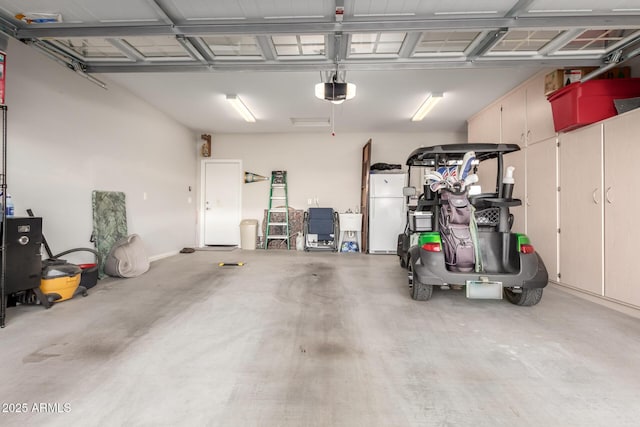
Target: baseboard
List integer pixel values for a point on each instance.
(627, 309)
(164, 255)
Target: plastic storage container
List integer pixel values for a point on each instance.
(580, 104)
(10, 209)
(248, 233)
(420, 221)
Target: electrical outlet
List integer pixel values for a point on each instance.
(144, 196)
(309, 202)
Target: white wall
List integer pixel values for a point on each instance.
(317, 164)
(68, 137)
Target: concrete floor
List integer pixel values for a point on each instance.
(313, 339)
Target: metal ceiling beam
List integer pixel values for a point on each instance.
(160, 10)
(313, 27)
(267, 48)
(193, 52)
(518, 8)
(332, 46)
(487, 43)
(346, 65)
(559, 41)
(7, 27)
(409, 45)
(343, 42)
(126, 49)
(203, 48)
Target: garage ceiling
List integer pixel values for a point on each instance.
(184, 56)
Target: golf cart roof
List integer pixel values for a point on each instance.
(425, 156)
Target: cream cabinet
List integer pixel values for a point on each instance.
(538, 110)
(514, 118)
(485, 126)
(599, 207)
(621, 207)
(581, 210)
(523, 116)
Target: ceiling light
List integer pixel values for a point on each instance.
(242, 109)
(310, 122)
(426, 106)
(335, 92)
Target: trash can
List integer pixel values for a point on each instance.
(248, 233)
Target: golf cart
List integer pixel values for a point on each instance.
(458, 236)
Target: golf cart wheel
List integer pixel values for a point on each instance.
(419, 291)
(403, 262)
(525, 297)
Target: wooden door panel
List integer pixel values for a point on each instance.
(364, 196)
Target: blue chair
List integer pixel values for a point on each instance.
(321, 229)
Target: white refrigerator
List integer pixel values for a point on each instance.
(387, 212)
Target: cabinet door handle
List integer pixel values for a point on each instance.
(606, 195)
(595, 200)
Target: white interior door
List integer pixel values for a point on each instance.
(222, 202)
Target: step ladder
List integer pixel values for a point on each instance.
(278, 204)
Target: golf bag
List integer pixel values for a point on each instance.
(455, 219)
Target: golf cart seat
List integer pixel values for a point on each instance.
(321, 229)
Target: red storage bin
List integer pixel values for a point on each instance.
(580, 104)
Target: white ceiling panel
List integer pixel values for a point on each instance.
(425, 9)
(202, 10)
(541, 7)
(88, 11)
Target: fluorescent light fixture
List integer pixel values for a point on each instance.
(242, 109)
(625, 10)
(335, 92)
(426, 106)
(310, 121)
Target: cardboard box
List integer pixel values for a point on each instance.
(553, 81)
(558, 79)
